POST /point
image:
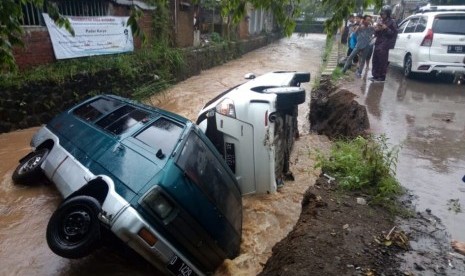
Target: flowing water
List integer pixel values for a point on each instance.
(24, 211)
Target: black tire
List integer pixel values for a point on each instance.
(408, 67)
(287, 96)
(28, 171)
(73, 231)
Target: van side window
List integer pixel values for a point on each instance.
(411, 26)
(402, 26)
(93, 110)
(161, 135)
(421, 26)
(121, 119)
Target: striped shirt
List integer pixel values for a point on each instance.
(364, 34)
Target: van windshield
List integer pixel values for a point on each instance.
(204, 169)
(451, 24)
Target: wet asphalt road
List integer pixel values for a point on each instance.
(427, 118)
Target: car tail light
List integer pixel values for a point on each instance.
(428, 39)
(147, 236)
(226, 107)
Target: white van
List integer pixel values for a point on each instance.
(253, 126)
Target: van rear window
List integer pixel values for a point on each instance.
(452, 24)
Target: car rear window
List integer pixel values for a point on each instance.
(161, 135)
(204, 169)
(450, 24)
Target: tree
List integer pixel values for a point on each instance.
(284, 11)
(340, 9)
(11, 14)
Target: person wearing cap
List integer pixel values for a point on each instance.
(386, 34)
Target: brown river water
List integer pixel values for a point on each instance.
(24, 211)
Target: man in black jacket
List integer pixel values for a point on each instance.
(386, 34)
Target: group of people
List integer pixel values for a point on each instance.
(366, 39)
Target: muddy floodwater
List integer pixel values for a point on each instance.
(24, 211)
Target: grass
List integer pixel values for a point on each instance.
(158, 60)
(367, 165)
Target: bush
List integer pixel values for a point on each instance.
(364, 164)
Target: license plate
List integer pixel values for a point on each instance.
(177, 266)
(456, 49)
(230, 156)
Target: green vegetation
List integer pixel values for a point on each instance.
(364, 164)
(157, 60)
(337, 74)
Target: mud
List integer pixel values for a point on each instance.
(336, 236)
(335, 113)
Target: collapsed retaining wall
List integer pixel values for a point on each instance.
(32, 104)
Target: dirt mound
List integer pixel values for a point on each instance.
(335, 236)
(336, 114)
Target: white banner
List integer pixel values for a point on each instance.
(93, 36)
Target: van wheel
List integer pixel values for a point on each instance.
(28, 171)
(287, 96)
(408, 67)
(73, 231)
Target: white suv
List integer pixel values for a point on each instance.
(431, 41)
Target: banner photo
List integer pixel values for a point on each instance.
(93, 36)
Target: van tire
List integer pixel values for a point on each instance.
(28, 171)
(73, 231)
(287, 96)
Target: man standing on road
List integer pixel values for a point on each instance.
(386, 34)
(363, 33)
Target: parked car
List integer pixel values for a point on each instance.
(431, 41)
(149, 176)
(253, 126)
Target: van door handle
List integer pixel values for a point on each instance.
(408, 36)
(242, 130)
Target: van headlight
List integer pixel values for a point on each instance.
(159, 204)
(226, 108)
